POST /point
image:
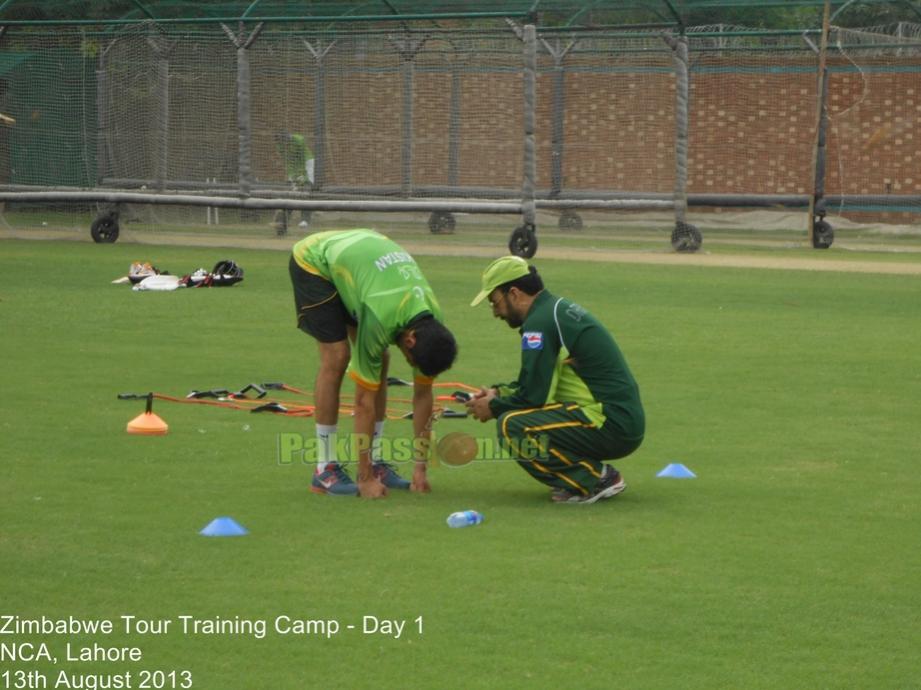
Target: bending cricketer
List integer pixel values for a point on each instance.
(575, 403)
(360, 286)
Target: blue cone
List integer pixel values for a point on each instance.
(676, 470)
(224, 527)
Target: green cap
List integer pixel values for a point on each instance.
(499, 272)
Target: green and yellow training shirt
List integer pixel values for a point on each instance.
(381, 287)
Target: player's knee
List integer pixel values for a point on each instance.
(510, 432)
(511, 424)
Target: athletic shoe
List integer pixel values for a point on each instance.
(388, 476)
(333, 481)
(611, 484)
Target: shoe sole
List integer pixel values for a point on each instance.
(324, 492)
(610, 492)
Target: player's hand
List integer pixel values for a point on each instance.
(479, 405)
(420, 483)
(371, 488)
(481, 393)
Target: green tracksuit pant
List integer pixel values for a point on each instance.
(559, 446)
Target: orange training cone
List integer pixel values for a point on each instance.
(147, 423)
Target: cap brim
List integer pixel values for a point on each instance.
(481, 295)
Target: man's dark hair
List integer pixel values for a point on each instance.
(435, 349)
(530, 284)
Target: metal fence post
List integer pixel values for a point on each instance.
(528, 207)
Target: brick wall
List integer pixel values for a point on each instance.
(752, 125)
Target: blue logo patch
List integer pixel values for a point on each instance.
(532, 340)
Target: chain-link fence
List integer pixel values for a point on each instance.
(252, 127)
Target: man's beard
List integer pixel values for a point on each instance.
(514, 321)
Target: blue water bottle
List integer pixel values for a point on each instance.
(464, 518)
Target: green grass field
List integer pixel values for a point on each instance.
(792, 560)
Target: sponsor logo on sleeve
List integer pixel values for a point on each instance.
(532, 340)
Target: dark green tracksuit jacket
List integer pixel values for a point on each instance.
(569, 357)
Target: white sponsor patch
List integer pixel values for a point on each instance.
(532, 340)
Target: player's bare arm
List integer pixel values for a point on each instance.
(423, 405)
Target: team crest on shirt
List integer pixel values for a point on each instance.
(576, 312)
(532, 340)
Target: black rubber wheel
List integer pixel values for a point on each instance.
(105, 228)
(823, 235)
(686, 238)
(570, 221)
(523, 241)
(441, 223)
